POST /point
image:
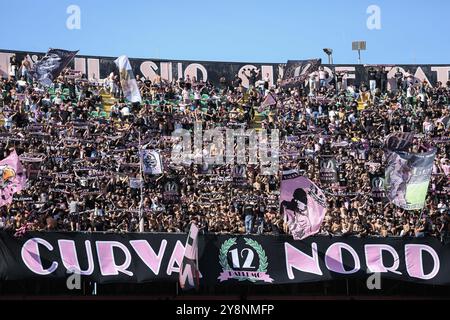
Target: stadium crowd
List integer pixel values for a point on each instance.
(81, 159)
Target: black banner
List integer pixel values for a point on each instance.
(328, 172)
(297, 71)
(240, 176)
(95, 67)
(47, 69)
(171, 190)
(377, 185)
(133, 257)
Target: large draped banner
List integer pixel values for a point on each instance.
(302, 204)
(50, 66)
(407, 174)
(223, 259)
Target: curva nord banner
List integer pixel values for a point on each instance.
(95, 67)
(133, 258)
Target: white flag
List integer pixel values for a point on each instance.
(151, 162)
(127, 80)
(135, 183)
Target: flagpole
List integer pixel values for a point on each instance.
(141, 213)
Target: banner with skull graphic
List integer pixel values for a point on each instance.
(151, 162)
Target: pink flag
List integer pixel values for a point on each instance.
(12, 178)
(302, 204)
(268, 101)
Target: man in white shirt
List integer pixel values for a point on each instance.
(125, 112)
(323, 75)
(57, 100)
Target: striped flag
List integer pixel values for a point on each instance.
(189, 266)
(127, 80)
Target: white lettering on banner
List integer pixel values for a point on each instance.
(421, 75)
(114, 258)
(93, 69)
(414, 261)
(31, 256)
(69, 256)
(176, 257)
(442, 73)
(106, 258)
(334, 260)
(148, 255)
(80, 65)
(267, 70)
(392, 83)
(191, 71)
(179, 70)
(166, 71)
(4, 64)
(148, 70)
(296, 259)
(374, 258)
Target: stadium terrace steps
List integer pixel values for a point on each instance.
(108, 101)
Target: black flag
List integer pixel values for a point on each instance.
(46, 70)
(297, 71)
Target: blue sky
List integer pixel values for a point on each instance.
(231, 30)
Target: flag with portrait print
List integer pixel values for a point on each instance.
(12, 178)
(302, 205)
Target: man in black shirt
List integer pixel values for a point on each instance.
(399, 78)
(339, 80)
(372, 79)
(383, 79)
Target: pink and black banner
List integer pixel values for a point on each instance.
(302, 204)
(223, 259)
